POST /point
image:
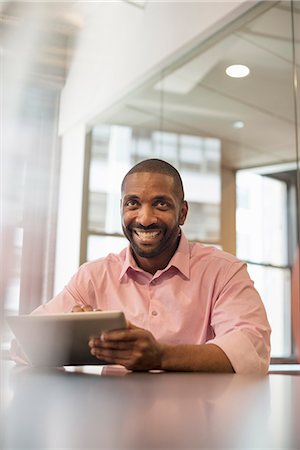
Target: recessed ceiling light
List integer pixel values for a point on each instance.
(238, 124)
(237, 71)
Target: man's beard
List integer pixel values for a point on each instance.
(168, 239)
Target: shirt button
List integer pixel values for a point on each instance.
(154, 313)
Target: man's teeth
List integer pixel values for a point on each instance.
(147, 234)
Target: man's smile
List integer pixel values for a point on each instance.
(147, 237)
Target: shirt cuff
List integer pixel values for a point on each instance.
(16, 354)
(242, 354)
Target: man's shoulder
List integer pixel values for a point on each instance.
(211, 253)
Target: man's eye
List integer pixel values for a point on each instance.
(162, 204)
(131, 203)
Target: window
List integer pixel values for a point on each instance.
(199, 119)
(265, 217)
(114, 149)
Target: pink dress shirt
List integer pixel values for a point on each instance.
(204, 295)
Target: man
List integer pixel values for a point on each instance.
(189, 307)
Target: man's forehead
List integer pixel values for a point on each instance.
(151, 185)
(143, 178)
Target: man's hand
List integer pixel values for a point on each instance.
(83, 308)
(134, 348)
(137, 349)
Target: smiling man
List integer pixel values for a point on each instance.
(152, 208)
(189, 307)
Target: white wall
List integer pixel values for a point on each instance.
(119, 47)
(70, 206)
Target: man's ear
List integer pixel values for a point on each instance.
(183, 212)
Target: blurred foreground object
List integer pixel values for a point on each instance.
(37, 40)
(296, 305)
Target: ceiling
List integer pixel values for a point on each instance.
(44, 34)
(38, 38)
(194, 96)
(197, 97)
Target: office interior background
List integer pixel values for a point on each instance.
(90, 88)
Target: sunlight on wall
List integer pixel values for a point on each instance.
(261, 219)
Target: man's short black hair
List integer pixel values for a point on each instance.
(158, 166)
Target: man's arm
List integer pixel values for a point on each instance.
(200, 358)
(137, 349)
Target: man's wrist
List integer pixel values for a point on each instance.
(164, 354)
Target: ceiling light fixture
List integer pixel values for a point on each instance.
(237, 71)
(238, 124)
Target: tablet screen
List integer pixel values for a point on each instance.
(62, 339)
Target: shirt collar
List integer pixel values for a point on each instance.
(180, 260)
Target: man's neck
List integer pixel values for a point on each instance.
(159, 262)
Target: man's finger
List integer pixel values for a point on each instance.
(112, 356)
(87, 308)
(82, 308)
(131, 326)
(117, 345)
(76, 308)
(127, 334)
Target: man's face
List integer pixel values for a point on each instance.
(151, 215)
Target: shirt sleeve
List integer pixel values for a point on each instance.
(240, 323)
(16, 354)
(76, 292)
(63, 302)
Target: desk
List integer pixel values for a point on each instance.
(53, 408)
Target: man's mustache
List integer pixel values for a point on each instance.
(138, 226)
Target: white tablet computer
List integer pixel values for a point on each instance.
(62, 339)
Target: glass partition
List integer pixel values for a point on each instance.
(296, 262)
(234, 140)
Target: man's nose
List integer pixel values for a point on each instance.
(146, 216)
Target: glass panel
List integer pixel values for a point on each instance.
(198, 160)
(99, 246)
(273, 284)
(296, 267)
(202, 121)
(100, 139)
(203, 222)
(12, 294)
(261, 219)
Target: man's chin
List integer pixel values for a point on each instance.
(143, 253)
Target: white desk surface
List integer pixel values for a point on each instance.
(66, 409)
